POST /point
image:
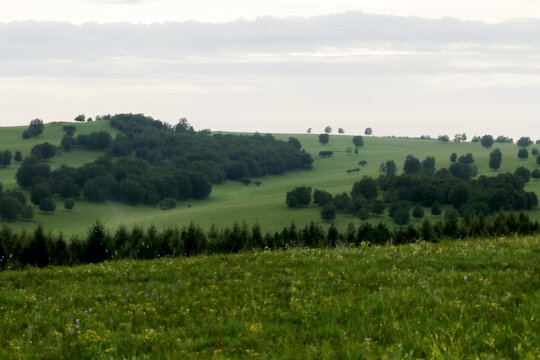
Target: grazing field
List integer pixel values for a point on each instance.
(452, 300)
(233, 201)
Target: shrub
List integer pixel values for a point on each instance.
(328, 212)
(47, 205)
(167, 204)
(69, 204)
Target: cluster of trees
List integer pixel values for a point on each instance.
(44, 249)
(421, 186)
(13, 205)
(99, 140)
(170, 162)
(34, 129)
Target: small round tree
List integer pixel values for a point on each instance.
(328, 212)
(324, 138)
(487, 141)
(523, 154)
(418, 212)
(535, 174)
(69, 204)
(453, 157)
(523, 173)
(47, 205)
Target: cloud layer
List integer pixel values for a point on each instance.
(302, 71)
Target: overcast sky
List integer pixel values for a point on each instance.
(401, 67)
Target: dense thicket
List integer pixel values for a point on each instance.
(169, 162)
(42, 249)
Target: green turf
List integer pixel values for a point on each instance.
(264, 205)
(474, 299)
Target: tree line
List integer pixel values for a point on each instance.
(43, 249)
(419, 186)
(169, 163)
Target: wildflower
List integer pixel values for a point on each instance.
(110, 321)
(464, 278)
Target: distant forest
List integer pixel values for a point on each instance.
(150, 161)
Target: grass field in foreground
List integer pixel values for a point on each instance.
(453, 300)
(232, 201)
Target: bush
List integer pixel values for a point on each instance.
(436, 208)
(418, 212)
(299, 196)
(325, 153)
(69, 204)
(523, 173)
(535, 174)
(167, 204)
(328, 212)
(47, 205)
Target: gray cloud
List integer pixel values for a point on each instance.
(352, 43)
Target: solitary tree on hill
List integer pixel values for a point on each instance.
(495, 159)
(487, 141)
(368, 131)
(358, 141)
(524, 141)
(80, 118)
(328, 129)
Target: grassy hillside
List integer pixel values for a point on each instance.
(233, 201)
(452, 300)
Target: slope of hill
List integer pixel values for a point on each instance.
(451, 300)
(233, 201)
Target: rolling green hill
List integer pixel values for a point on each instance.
(233, 201)
(475, 299)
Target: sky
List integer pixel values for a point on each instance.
(402, 67)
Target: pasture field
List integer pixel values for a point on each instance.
(473, 299)
(233, 202)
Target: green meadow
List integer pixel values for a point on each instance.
(234, 202)
(474, 299)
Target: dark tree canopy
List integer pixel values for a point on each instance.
(47, 205)
(504, 140)
(5, 158)
(328, 212)
(299, 196)
(443, 138)
(524, 141)
(324, 138)
(523, 154)
(453, 157)
(535, 174)
(388, 168)
(321, 197)
(10, 208)
(523, 173)
(411, 165)
(367, 187)
(341, 131)
(463, 171)
(358, 141)
(487, 141)
(428, 164)
(295, 142)
(495, 159)
(368, 131)
(328, 129)
(44, 151)
(18, 156)
(80, 118)
(466, 159)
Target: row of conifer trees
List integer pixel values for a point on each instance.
(40, 248)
